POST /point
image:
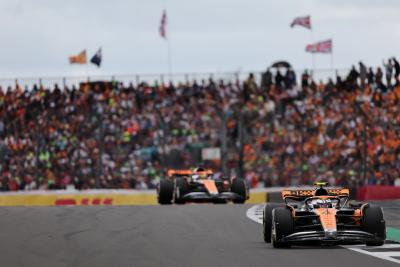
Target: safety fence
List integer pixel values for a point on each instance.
(289, 161)
(123, 197)
(176, 78)
(96, 198)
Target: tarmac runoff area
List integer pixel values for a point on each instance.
(187, 235)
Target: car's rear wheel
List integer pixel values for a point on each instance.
(282, 225)
(239, 187)
(267, 220)
(165, 191)
(181, 189)
(374, 223)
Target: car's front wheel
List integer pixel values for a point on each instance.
(282, 225)
(165, 191)
(181, 189)
(267, 220)
(374, 223)
(239, 187)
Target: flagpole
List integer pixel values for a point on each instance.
(169, 49)
(312, 55)
(87, 70)
(332, 70)
(169, 59)
(167, 37)
(313, 64)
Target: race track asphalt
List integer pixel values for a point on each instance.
(190, 235)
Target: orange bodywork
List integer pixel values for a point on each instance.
(357, 216)
(188, 172)
(327, 217)
(210, 186)
(302, 193)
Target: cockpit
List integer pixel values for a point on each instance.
(316, 203)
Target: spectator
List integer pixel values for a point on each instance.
(396, 71)
(266, 79)
(379, 79)
(388, 72)
(352, 78)
(305, 79)
(370, 76)
(363, 73)
(113, 136)
(279, 79)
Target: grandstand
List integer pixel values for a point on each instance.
(282, 130)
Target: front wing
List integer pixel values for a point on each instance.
(205, 196)
(341, 236)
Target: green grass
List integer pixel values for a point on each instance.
(393, 234)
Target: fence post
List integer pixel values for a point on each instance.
(37, 152)
(365, 152)
(302, 120)
(364, 164)
(162, 139)
(100, 144)
(241, 145)
(224, 151)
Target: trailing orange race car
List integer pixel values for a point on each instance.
(322, 215)
(198, 185)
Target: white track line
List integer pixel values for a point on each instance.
(385, 255)
(255, 213)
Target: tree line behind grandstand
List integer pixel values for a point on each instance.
(273, 131)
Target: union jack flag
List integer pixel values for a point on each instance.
(163, 25)
(302, 21)
(320, 47)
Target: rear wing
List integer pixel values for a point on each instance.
(305, 193)
(171, 173)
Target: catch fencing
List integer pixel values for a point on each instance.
(176, 78)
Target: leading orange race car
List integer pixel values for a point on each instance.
(322, 215)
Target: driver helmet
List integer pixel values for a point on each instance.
(199, 173)
(321, 192)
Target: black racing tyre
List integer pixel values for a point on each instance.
(267, 220)
(238, 186)
(165, 191)
(373, 223)
(282, 225)
(181, 189)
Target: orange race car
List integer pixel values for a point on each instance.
(198, 185)
(322, 215)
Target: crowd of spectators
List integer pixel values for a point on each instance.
(279, 131)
